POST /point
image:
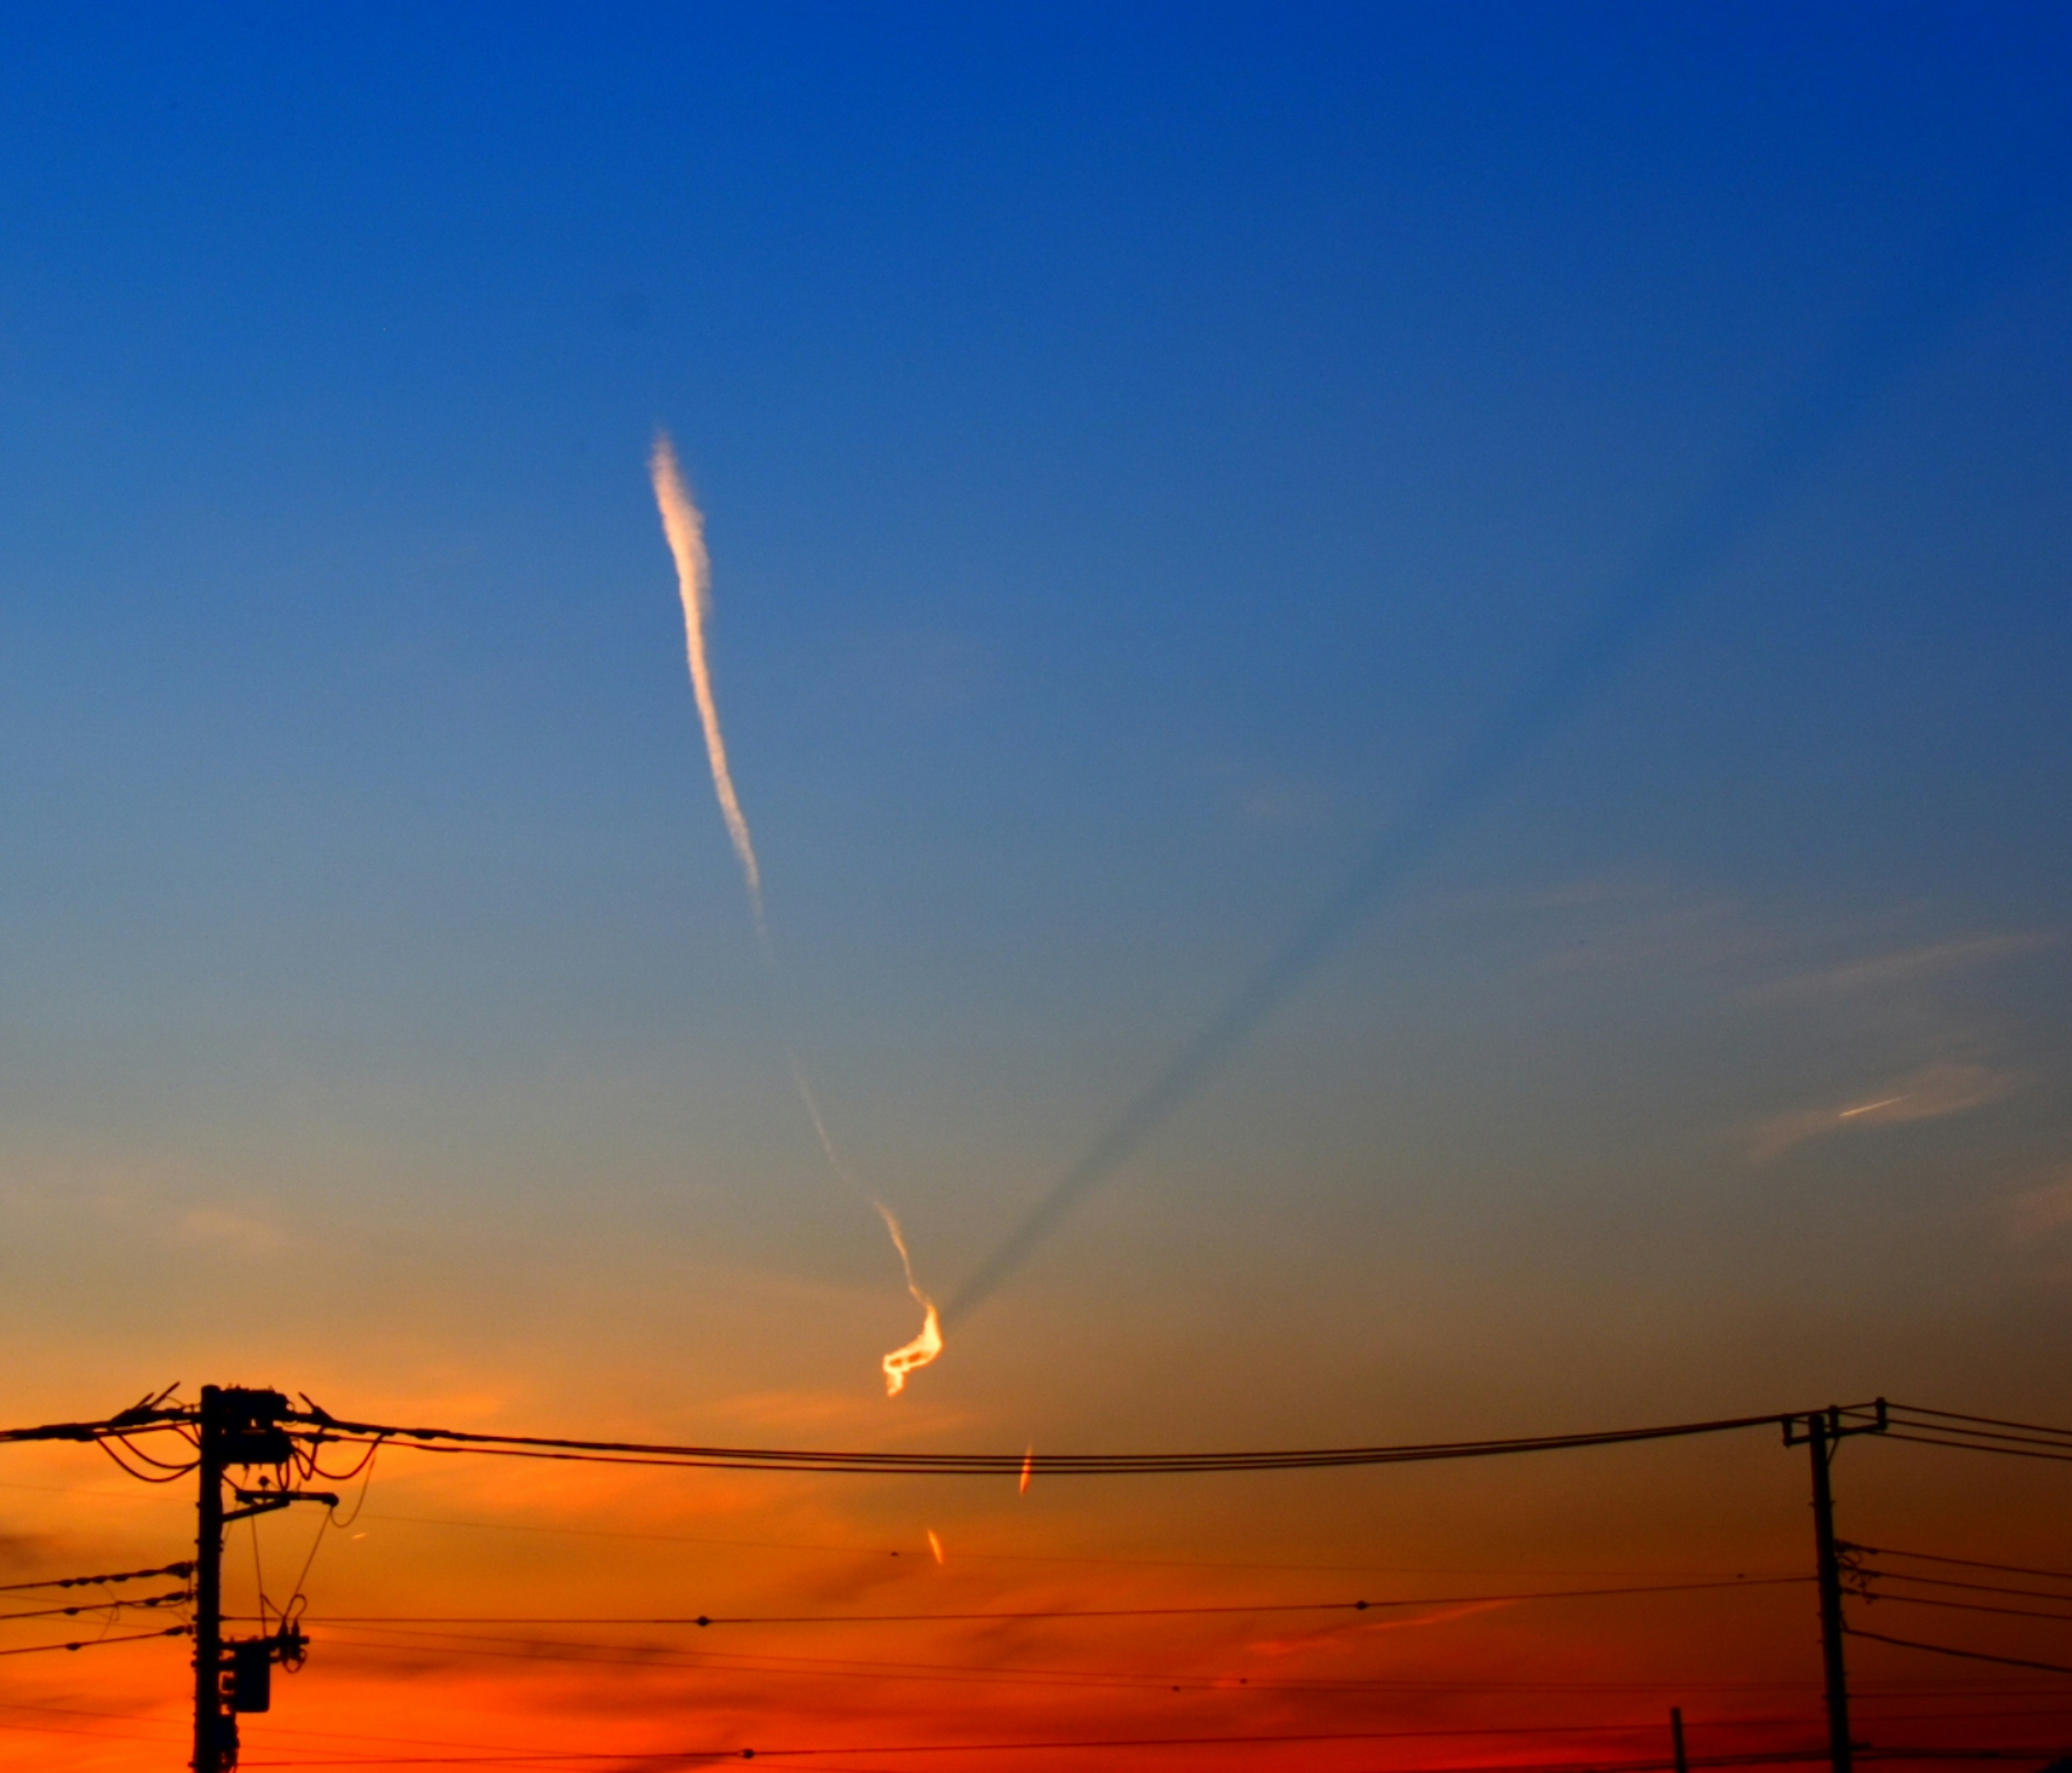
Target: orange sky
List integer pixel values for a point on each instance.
(1459, 1682)
(1400, 675)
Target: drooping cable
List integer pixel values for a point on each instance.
(97, 1643)
(78, 1607)
(1967, 1655)
(185, 1568)
(703, 1619)
(444, 1440)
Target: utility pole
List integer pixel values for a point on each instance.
(1676, 1739)
(209, 1717)
(1841, 1750)
(242, 1427)
(1823, 1432)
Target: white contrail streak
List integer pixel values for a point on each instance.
(926, 1346)
(685, 528)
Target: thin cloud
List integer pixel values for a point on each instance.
(1927, 1094)
(1909, 966)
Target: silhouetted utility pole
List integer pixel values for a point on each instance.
(238, 1428)
(1676, 1738)
(1823, 1433)
(209, 1721)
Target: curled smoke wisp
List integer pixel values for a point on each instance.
(1896, 333)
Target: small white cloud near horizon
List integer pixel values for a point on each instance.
(1948, 1087)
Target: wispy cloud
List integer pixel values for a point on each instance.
(228, 1228)
(1906, 967)
(1929, 1093)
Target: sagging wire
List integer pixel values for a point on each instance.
(95, 1643)
(290, 1614)
(173, 1475)
(311, 1463)
(183, 1568)
(93, 1606)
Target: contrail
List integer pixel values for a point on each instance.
(685, 528)
(926, 1346)
(1896, 334)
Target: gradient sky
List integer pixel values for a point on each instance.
(1144, 450)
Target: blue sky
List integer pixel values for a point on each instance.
(1140, 450)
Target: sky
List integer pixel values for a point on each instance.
(1399, 676)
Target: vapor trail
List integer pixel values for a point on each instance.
(929, 1343)
(685, 528)
(1896, 333)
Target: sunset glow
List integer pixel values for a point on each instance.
(1325, 749)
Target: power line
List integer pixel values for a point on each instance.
(315, 1428)
(97, 1643)
(1987, 1422)
(1981, 1446)
(965, 1556)
(1966, 1563)
(443, 1440)
(1972, 1588)
(849, 1668)
(78, 1607)
(704, 1619)
(185, 1568)
(1968, 1656)
(1970, 1606)
(1757, 1758)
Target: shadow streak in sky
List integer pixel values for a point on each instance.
(1898, 333)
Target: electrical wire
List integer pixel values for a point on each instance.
(1985, 1421)
(1968, 1656)
(1918, 1424)
(95, 1607)
(863, 1668)
(1757, 1758)
(97, 1643)
(1978, 1447)
(173, 1474)
(1969, 1606)
(1870, 1575)
(966, 1556)
(704, 1619)
(1966, 1563)
(183, 1568)
(442, 1440)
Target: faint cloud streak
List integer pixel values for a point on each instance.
(1928, 1094)
(1909, 966)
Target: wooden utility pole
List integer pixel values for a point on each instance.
(241, 1428)
(1841, 1750)
(214, 1731)
(1823, 1432)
